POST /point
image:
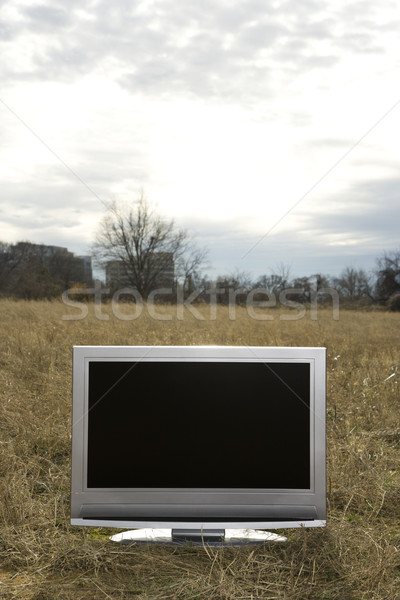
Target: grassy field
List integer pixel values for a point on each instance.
(357, 556)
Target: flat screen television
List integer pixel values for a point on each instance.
(198, 438)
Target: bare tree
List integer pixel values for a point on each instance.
(8, 264)
(24, 272)
(277, 281)
(234, 285)
(388, 276)
(66, 268)
(145, 249)
(354, 284)
(190, 265)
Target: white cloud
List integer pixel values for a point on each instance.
(226, 113)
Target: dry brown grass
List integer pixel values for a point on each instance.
(355, 557)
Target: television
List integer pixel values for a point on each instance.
(198, 439)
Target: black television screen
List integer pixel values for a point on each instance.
(194, 425)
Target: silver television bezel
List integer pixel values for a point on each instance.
(282, 508)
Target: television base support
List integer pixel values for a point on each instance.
(198, 537)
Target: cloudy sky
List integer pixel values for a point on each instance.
(270, 128)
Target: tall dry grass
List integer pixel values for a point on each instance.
(355, 557)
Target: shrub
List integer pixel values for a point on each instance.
(394, 302)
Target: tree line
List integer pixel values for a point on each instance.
(144, 245)
(355, 286)
(35, 271)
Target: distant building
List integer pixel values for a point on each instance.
(62, 263)
(42, 250)
(30, 270)
(162, 268)
(87, 267)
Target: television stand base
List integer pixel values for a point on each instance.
(198, 537)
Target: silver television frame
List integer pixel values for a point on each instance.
(208, 509)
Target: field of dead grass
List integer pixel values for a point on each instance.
(357, 556)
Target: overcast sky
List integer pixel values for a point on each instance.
(228, 114)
